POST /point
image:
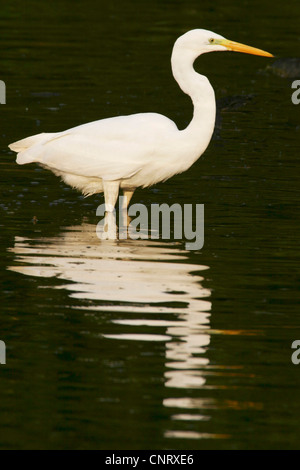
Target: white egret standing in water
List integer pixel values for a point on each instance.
(141, 149)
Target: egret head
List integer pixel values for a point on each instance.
(199, 41)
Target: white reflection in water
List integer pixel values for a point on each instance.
(136, 277)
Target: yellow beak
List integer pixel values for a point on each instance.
(236, 46)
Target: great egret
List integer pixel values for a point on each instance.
(140, 149)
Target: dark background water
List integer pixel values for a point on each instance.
(139, 344)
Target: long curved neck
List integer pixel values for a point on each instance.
(201, 92)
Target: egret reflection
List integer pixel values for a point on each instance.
(147, 283)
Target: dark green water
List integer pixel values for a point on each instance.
(141, 344)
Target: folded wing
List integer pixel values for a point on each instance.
(110, 149)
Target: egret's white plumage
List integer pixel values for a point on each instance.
(141, 149)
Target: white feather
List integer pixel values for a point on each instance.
(136, 150)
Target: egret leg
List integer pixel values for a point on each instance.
(123, 216)
(127, 193)
(111, 193)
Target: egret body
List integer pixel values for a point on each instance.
(138, 150)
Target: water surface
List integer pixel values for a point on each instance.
(140, 344)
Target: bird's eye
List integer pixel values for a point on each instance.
(211, 40)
